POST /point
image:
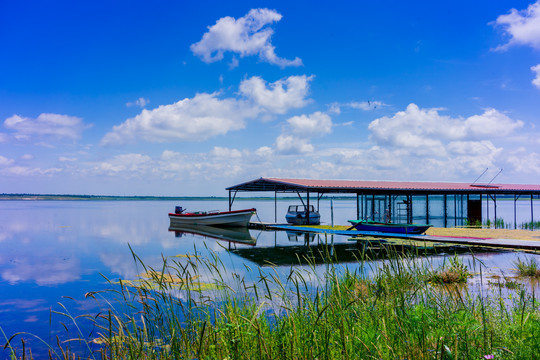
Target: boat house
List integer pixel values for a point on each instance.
(397, 199)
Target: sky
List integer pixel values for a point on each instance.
(185, 98)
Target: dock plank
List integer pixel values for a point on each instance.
(478, 241)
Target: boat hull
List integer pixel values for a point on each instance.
(236, 218)
(300, 219)
(235, 234)
(390, 228)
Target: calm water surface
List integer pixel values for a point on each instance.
(54, 252)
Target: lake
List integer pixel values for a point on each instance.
(56, 251)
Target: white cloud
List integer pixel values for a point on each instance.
(523, 26)
(140, 102)
(316, 124)
(472, 148)
(206, 115)
(264, 152)
(416, 127)
(196, 119)
(245, 36)
(335, 107)
(4, 161)
(536, 80)
(525, 162)
(490, 124)
(125, 163)
(67, 159)
(225, 153)
(287, 145)
(280, 96)
(27, 157)
(55, 125)
(28, 171)
(3, 137)
(365, 105)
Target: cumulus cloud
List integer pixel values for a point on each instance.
(125, 163)
(207, 115)
(225, 153)
(472, 148)
(357, 105)
(365, 105)
(536, 80)
(416, 127)
(277, 97)
(316, 124)
(523, 27)
(191, 119)
(140, 102)
(4, 161)
(54, 125)
(288, 145)
(245, 36)
(28, 171)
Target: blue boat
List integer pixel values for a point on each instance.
(368, 225)
(297, 215)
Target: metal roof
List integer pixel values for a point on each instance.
(382, 187)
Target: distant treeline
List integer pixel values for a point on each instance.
(144, 198)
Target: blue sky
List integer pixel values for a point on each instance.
(187, 98)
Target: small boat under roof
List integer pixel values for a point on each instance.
(238, 218)
(368, 225)
(298, 215)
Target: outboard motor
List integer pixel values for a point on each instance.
(179, 210)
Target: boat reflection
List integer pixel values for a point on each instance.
(319, 249)
(239, 235)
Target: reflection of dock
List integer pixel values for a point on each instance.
(231, 234)
(308, 251)
(469, 241)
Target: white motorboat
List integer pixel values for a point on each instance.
(239, 218)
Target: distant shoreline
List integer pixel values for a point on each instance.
(45, 197)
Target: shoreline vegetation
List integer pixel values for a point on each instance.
(407, 307)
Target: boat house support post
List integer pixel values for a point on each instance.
(516, 197)
(319, 197)
(365, 207)
(410, 208)
(461, 211)
(455, 209)
(532, 213)
(389, 217)
(357, 206)
(427, 208)
(307, 209)
(373, 207)
(231, 200)
(445, 211)
(300, 196)
(495, 210)
(487, 207)
(275, 206)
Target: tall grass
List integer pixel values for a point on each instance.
(531, 225)
(192, 308)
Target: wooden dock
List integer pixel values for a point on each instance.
(462, 240)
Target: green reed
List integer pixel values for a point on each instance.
(531, 225)
(193, 308)
(527, 267)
